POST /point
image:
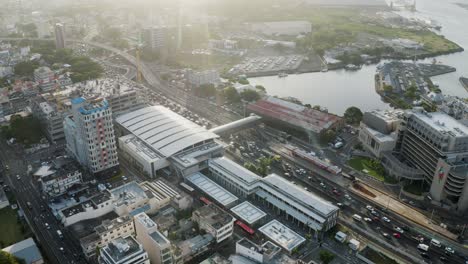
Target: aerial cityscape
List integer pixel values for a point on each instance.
(233, 131)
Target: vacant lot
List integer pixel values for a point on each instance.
(11, 229)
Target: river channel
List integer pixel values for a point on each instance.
(339, 89)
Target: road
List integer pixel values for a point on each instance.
(57, 250)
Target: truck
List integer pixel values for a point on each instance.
(59, 233)
(354, 244)
(340, 236)
(423, 247)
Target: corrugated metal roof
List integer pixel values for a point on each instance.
(215, 191)
(165, 131)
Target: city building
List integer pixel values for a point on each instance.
(295, 203)
(306, 120)
(282, 235)
(59, 36)
(45, 78)
(89, 133)
(123, 250)
(193, 247)
(51, 119)
(214, 221)
(130, 198)
(257, 253)
(122, 95)
(383, 121)
(289, 28)
(437, 145)
(104, 233)
(58, 177)
(173, 142)
(455, 107)
(249, 213)
(26, 250)
(157, 37)
(154, 242)
(198, 78)
(165, 191)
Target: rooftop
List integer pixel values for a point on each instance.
(139, 147)
(442, 122)
(298, 195)
(214, 216)
(59, 167)
(215, 191)
(387, 115)
(282, 235)
(159, 238)
(163, 130)
(111, 224)
(106, 87)
(228, 166)
(144, 219)
(294, 114)
(128, 193)
(248, 212)
(26, 249)
(122, 248)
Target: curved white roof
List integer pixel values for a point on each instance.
(165, 131)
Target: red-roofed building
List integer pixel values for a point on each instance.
(301, 118)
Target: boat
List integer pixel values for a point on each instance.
(282, 74)
(464, 82)
(352, 67)
(324, 70)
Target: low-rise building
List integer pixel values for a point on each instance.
(26, 250)
(107, 231)
(130, 198)
(123, 250)
(154, 242)
(376, 142)
(45, 78)
(59, 176)
(282, 235)
(214, 221)
(197, 79)
(193, 247)
(258, 253)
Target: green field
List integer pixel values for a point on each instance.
(361, 164)
(11, 230)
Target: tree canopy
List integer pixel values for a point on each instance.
(250, 95)
(7, 258)
(326, 256)
(231, 95)
(353, 115)
(25, 68)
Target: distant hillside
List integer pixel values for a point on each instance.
(369, 3)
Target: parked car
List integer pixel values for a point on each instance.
(385, 219)
(396, 235)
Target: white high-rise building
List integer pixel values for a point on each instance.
(155, 243)
(89, 133)
(59, 36)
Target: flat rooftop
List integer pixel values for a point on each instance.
(163, 130)
(227, 166)
(294, 114)
(128, 194)
(442, 123)
(299, 195)
(215, 191)
(122, 248)
(214, 216)
(248, 212)
(282, 235)
(159, 238)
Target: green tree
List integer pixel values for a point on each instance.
(260, 87)
(327, 136)
(25, 68)
(243, 81)
(326, 256)
(316, 107)
(353, 115)
(250, 95)
(231, 95)
(7, 258)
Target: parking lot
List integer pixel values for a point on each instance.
(267, 65)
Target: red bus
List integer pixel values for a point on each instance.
(205, 201)
(245, 227)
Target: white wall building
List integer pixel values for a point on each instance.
(89, 133)
(123, 250)
(58, 177)
(107, 231)
(45, 78)
(154, 242)
(214, 221)
(202, 77)
(376, 142)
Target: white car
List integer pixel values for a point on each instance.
(386, 219)
(399, 230)
(367, 219)
(449, 250)
(370, 208)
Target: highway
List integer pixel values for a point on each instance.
(37, 214)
